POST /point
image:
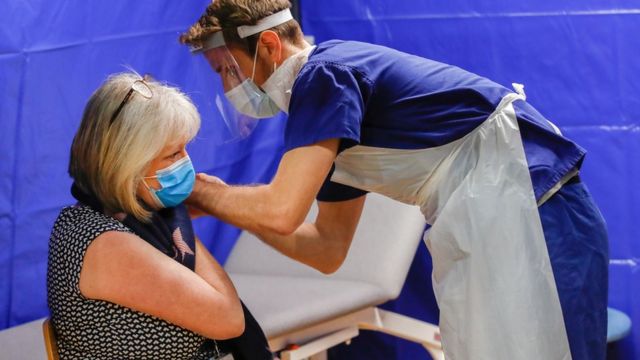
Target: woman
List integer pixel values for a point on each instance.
(127, 278)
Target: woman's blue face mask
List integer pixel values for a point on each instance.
(176, 183)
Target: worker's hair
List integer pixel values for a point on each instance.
(227, 15)
(109, 159)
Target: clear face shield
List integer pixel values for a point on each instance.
(239, 103)
(243, 102)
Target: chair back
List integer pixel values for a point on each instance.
(50, 343)
(381, 253)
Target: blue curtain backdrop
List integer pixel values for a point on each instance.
(577, 58)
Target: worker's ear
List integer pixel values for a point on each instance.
(270, 47)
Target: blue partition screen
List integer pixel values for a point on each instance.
(577, 59)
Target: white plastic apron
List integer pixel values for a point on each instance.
(491, 270)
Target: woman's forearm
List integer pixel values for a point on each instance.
(208, 268)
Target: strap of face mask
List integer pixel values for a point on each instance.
(255, 58)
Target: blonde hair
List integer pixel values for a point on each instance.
(108, 159)
(227, 15)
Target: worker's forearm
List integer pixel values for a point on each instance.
(247, 207)
(309, 245)
(279, 207)
(253, 209)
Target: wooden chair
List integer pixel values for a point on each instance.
(50, 344)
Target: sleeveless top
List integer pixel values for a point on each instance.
(96, 329)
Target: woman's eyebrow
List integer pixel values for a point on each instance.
(172, 150)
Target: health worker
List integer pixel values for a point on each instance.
(520, 250)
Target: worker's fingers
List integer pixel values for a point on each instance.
(209, 179)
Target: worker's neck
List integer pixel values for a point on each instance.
(290, 49)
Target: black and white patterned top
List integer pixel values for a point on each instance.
(95, 329)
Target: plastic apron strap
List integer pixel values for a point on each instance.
(492, 275)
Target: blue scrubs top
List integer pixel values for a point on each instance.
(376, 96)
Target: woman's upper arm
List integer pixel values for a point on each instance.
(211, 271)
(122, 268)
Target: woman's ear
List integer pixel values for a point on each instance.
(270, 46)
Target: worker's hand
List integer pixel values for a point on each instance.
(198, 195)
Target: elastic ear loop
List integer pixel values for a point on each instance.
(152, 191)
(255, 58)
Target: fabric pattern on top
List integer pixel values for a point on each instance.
(95, 329)
(169, 230)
